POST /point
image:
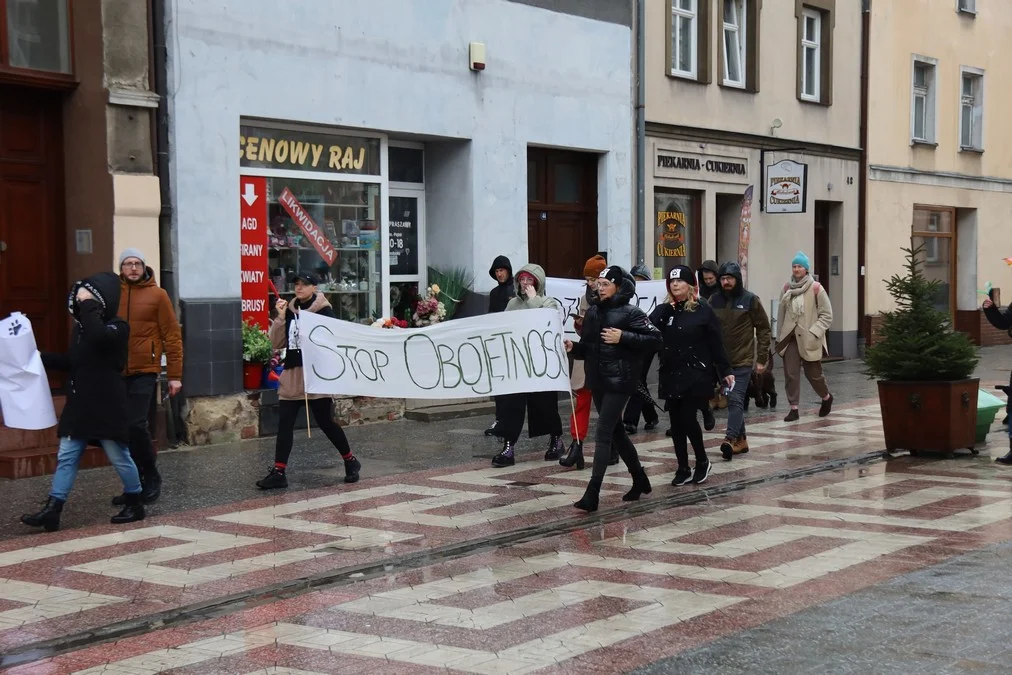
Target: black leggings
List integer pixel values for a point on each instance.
(685, 427)
(610, 433)
(323, 413)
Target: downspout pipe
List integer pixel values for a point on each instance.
(641, 137)
(165, 233)
(862, 186)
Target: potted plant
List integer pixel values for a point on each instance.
(924, 368)
(451, 287)
(256, 352)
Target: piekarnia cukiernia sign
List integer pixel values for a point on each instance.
(504, 353)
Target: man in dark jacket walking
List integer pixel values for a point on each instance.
(1002, 320)
(707, 276)
(637, 404)
(154, 331)
(96, 406)
(744, 327)
(498, 298)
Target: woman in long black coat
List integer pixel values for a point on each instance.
(96, 407)
(617, 336)
(693, 347)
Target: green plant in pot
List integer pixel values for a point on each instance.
(453, 284)
(924, 369)
(256, 353)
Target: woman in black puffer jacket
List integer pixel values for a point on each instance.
(616, 338)
(693, 349)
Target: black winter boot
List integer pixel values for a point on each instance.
(1004, 459)
(152, 487)
(274, 479)
(505, 457)
(574, 456)
(351, 468)
(132, 511)
(591, 497)
(640, 486)
(555, 449)
(48, 518)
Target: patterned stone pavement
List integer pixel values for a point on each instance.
(608, 593)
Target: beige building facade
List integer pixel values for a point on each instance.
(765, 94)
(939, 168)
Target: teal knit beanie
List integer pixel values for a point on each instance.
(801, 259)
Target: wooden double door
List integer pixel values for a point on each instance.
(32, 234)
(561, 210)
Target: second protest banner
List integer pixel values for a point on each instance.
(504, 353)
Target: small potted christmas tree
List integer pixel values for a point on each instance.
(924, 368)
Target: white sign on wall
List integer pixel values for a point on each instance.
(786, 186)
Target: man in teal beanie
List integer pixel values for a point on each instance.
(804, 317)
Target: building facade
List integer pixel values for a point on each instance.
(369, 150)
(78, 165)
(746, 94)
(939, 173)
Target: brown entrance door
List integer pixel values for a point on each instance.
(561, 210)
(32, 265)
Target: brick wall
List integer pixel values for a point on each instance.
(971, 322)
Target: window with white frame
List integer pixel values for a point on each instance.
(971, 110)
(684, 28)
(966, 6)
(811, 55)
(922, 102)
(734, 42)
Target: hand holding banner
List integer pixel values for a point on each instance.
(24, 387)
(502, 353)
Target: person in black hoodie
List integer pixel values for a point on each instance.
(498, 298)
(616, 337)
(693, 350)
(96, 407)
(1002, 320)
(709, 279)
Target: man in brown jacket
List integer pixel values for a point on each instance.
(154, 331)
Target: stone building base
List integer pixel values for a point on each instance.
(228, 419)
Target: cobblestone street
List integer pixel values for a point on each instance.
(811, 553)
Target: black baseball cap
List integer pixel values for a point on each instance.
(305, 277)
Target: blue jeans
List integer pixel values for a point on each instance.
(69, 458)
(736, 402)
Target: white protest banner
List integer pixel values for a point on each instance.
(502, 353)
(24, 389)
(567, 292)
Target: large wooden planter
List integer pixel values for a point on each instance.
(929, 416)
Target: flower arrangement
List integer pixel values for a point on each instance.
(429, 310)
(392, 322)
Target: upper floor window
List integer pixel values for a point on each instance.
(689, 43)
(966, 6)
(922, 101)
(37, 35)
(971, 109)
(811, 55)
(734, 42)
(815, 50)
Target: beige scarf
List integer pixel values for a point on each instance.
(795, 296)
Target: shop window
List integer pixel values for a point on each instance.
(922, 101)
(688, 43)
(971, 110)
(676, 229)
(933, 230)
(37, 35)
(815, 50)
(345, 260)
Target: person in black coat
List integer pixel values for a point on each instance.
(693, 348)
(96, 407)
(498, 298)
(638, 405)
(1002, 320)
(616, 338)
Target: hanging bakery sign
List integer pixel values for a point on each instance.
(786, 187)
(308, 151)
